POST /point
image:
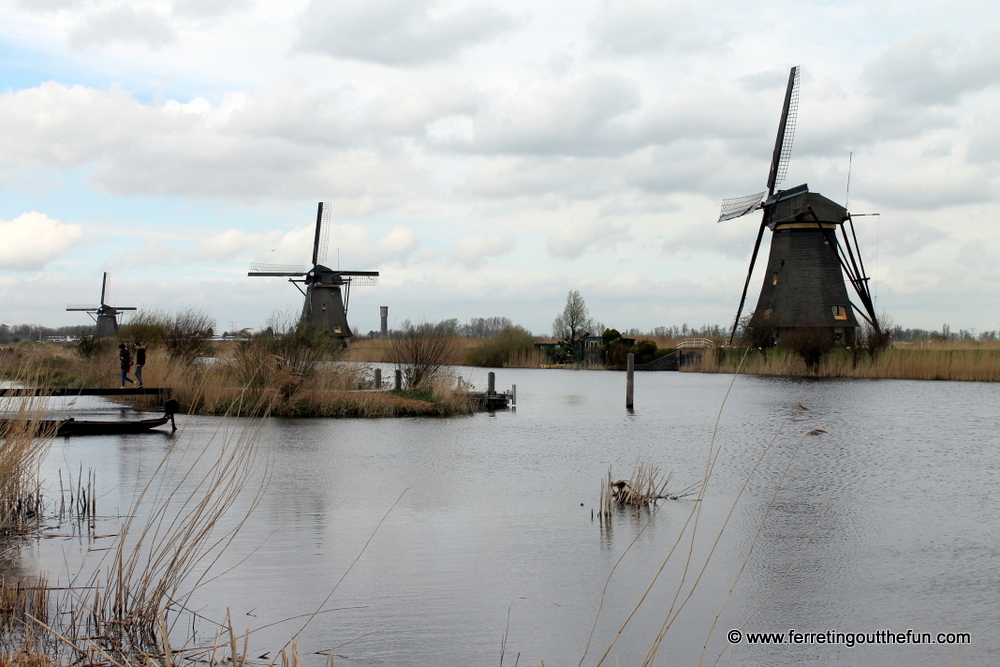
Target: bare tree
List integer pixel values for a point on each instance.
(573, 323)
(421, 351)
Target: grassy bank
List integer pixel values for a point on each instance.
(235, 383)
(940, 362)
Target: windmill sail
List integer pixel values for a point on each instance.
(322, 238)
(327, 291)
(786, 133)
(737, 207)
(104, 315)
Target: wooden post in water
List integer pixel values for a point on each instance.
(399, 380)
(513, 394)
(491, 384)
(630, 381)
(378, 378)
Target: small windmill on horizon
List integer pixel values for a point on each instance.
(803, 287)
(328, 291)
(104, 315)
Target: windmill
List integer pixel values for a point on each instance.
(106, 316)
(803, 286)
(328, 292)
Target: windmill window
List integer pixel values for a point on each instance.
(839, 313)
(767, 313)
(774, 278)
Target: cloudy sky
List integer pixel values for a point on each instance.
(487, 157)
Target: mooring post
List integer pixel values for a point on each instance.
(491, 384)
(513, 394)
(630, 381)
(399, 380)
(378, 378)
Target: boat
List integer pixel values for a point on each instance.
(71, 426)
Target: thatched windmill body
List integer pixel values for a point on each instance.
(803, 288)
(327, 291)
(104, 315)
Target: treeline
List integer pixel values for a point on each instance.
(18, 332)
(478, 327)
(946, 335)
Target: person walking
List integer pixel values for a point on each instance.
(140, 361)
(126, 364)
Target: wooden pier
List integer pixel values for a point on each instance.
(162, 392)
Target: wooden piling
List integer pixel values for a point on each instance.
(491, 384)
(630, 381)
(399, 380)
(378, 378)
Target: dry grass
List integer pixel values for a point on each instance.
(165, 549)
(642, 489)
(981, 363)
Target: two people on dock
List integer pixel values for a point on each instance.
(125, 360)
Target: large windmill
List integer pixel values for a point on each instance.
(803, 286)
(328, 291)
(106, 316)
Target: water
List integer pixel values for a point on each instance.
(886, 521)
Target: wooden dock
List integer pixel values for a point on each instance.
(496, 401)
(163, 392)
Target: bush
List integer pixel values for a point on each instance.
(810, 343)
(512, 343)
(187, 335)
(293, 355)
(421, 352)
(151, 327)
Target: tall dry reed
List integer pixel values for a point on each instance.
(980, 364)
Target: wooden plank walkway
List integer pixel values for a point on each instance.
(70, 391)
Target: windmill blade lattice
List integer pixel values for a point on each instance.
(259, 269)
(786, 133)
(736, 207)
(322, 240)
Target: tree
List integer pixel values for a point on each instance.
(573, 324)
(423, 351)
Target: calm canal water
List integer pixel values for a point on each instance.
(891, 520)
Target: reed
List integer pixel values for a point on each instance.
(980, 364)
(642, 489)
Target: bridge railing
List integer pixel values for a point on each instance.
(689, 343)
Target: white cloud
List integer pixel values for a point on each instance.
(230, 244)
(575, 238)
(630, 27)
(123, 23)
(935, 67)
(396, 32)
(473, 251)
(32, 240)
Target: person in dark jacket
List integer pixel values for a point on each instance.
(126, 364)
(140, 361)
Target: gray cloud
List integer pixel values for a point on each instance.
(587, 116)
(932, 67)
(123, 24)
(575, 238)
(631, 27)
(396, 32)
(210, 8)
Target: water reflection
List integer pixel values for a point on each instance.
(491, 520)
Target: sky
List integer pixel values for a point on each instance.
(487, 158)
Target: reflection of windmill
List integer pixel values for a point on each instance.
(326, 305)
(106, 316)
(804, 284)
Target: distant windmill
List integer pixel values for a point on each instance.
(328, 292)
(804, 284)
(106, 316)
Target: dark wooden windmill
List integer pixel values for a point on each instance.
(803, 287)
(104, 315)
(328, 291)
